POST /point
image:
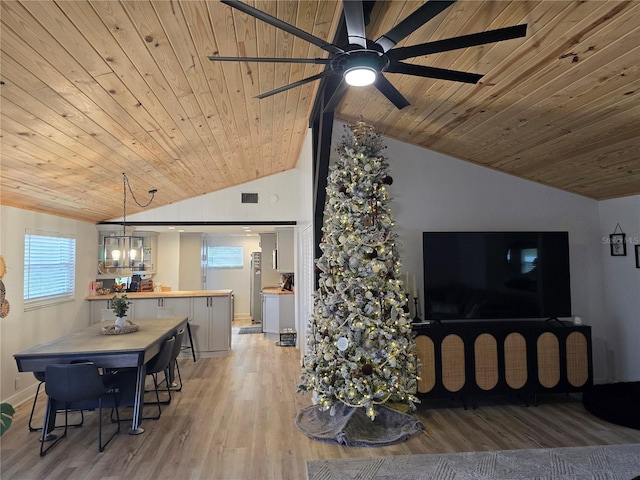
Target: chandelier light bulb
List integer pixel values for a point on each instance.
(360, 76)
(115, 255)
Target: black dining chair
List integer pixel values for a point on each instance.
(172, 369)
(40, 376)
(126, 378)
(173, 364)
(80, 385)
(160, 363)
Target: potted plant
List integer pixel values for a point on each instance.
(120, 305)
(6, 416)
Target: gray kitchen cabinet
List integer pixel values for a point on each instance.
(200, 313)
(97, 308)
(144, 308)
(285, 249)
(153, 307)
(220, 324)
(178, 306)
(211, 324)
(150, 253)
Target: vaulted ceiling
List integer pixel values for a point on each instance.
(93, 89)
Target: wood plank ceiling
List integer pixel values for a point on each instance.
(92, 89)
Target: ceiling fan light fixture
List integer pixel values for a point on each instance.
(361, 60)
(360, 76)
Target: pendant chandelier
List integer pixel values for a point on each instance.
(126, 251)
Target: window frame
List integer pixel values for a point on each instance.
(238, 256)
(65, 260)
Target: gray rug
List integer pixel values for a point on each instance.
(246, 330)
(351, 427)
(607, 462)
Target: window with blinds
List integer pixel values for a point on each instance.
(49, 269)
(225, 257)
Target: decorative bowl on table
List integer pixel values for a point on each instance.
(129, 327)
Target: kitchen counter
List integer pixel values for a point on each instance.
(276, 291)
(176, 294)
(210, 313)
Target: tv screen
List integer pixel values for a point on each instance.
(496, 275)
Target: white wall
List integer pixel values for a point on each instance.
(168, 272)
(436, 192)
(21, 330)
(190, 262)
(621, 338)
(237, 279)
(278, 200)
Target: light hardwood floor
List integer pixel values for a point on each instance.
(234, 419)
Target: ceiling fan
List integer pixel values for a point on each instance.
(363, 62)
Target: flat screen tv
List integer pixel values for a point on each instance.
(496, 275)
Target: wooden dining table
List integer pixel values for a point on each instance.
(128, 350)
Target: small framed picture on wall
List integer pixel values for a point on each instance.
(637, 249)
(618, 245)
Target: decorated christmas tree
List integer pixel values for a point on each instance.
(360, 348)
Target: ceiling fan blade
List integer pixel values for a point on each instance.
(414, 21)
(389, 91)
(455, 43)
(295, 84)
(433, 72)
(287, 27)
(335, 99)
(319, 61)
(354, 18)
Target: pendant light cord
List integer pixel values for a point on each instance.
(125, 184)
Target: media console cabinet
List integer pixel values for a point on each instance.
(527, 358)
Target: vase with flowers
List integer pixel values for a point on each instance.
(120, 306)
